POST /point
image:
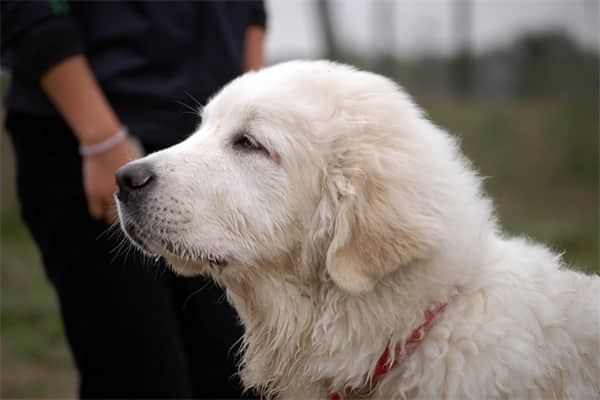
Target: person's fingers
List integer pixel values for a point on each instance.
(110, 211)
(95, 207)
(99, 179)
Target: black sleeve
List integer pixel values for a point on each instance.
(258, 15)
(40, 34)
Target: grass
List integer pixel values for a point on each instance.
(540, 160)
(35, 361)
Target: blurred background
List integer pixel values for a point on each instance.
(516, 80)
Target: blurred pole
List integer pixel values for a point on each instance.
(324, 15)
(382, 23)
(463, 63)
(383, 18)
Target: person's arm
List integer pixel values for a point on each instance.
(46, 40)
(255, 36)
(73, 89)
(253, 47)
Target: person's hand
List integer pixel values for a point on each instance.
(73, 89)
(99, 178)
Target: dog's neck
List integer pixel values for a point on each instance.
(305, 332)
(393, 355)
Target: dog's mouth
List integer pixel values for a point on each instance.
(151, 243)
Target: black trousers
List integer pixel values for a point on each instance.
(135, 329)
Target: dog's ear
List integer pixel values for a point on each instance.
(381, 224)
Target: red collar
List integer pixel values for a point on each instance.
(401, 351)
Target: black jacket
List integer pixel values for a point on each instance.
(149, 57)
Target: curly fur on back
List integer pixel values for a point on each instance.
(358, 215)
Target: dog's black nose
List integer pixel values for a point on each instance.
(133, 179)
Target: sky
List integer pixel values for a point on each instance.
(413, 28)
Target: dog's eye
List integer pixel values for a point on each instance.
(247, 142)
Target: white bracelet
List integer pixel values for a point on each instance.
(95, 149)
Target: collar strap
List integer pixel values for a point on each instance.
(401, 351)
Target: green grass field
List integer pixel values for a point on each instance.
(540, 160)
(35, 359)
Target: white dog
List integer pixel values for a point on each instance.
(355, 242)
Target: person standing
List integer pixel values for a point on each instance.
(90, 82)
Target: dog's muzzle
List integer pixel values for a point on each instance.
(134, 180)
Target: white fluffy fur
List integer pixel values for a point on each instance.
(358, 216)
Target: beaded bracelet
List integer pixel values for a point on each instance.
(98, 148)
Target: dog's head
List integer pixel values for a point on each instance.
(301, 163)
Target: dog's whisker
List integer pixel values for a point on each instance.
(199, 104)
(191, 109)
(109, 230)
(195, 292)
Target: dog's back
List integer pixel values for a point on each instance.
(526, 327)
